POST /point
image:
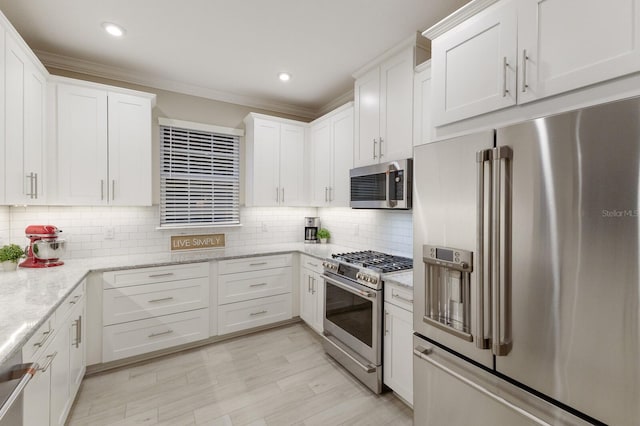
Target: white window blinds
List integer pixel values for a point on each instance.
(199, 178)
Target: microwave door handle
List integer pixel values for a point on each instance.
(482, 157)
(391, 186)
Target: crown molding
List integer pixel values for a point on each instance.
(121, 74)
(337, 102)
(457, 17)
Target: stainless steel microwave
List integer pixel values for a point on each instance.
(382, 186)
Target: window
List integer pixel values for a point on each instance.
(199, 174)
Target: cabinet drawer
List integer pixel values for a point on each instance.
(253, 264)
(139, 337)
(130, 277)
(69, 303)
(253, 313)
(253, 285)
(399, 296)
(311, 263)
(151, 300)
(36, 343)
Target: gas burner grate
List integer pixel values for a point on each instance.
(375, 260)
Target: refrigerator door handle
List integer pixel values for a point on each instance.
(423, 354)
(482, 157)
(500, 346)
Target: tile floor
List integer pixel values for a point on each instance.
(276, 377)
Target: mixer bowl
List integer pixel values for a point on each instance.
(49, 250)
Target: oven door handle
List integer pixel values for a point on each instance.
(367, 294)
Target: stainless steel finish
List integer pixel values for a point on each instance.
(45, 337)
(374, 148)
(76, 341)
(453, 331)
(47, 364)
(404, 299)
(79, 331)
(368, 368)
(30, 177)
(36, 185)
(349, 288)
(381, 154)
(315, 265)
(277, 194)
(163, 299)
(386, 322)
(367, 373)
(375, 202)
(25, 373)
(258, 264)
(162, 333)
(525, 58)
(166, 274)
(257, 285)
(49, 249)
(483, 158)
(253, 314)
(113, 189)
(283, 194)
(505, 65)
(75, 299)
(326, 190)
(101, 189)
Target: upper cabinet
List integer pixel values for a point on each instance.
(422, 98)
(24, 121)
(103, 145)
(275, 161)
(331, 159)
(493, 54)
(384, 104)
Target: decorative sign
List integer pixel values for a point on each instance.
(196, 242)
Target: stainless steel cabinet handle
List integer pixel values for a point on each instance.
(505, 65)
(404, 299)
(166, 274)
(423, 354)
(30, 177)
(375, 143)
(47, 364)
(45, 336)
(258, 264)
(500, 347)
(313, 285)
(79, 331)
(113, 189)
(164, 299)
(326, 189)
(257, 285)
(36, 185)
(283, 194)
(277, 194)
(386, 322)
(315, 265)
(331, 190)
(162, 333)
(76, 341)
(380, 150)
(309, 284)
(253, 314)
(524, 70)
(74, 300)
(482, 157)
(26, 373)
(101, 189)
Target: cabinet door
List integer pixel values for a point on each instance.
(34, 142)
(77, 358)
(266, 163)
(396, 107)
(60, 400)
(321, 163)
(292, 165)
(317, 289)
(342, 138)
(474, 65)
(3, 100)
(422, 124)
(17, 185)
(564, 45)
(367, 118)
(82, 145)
(398, 351)
(307, 302)
(129, 150)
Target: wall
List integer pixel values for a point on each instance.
(381, 230)
(84, 228)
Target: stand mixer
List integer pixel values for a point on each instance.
(45, 248)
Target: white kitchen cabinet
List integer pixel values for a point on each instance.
(494, 54)
(383, 95)
(398, 341)
(311, 292)
(275, 161)
(332, 157)
(422, 110)
(24, 120)
(103, 145)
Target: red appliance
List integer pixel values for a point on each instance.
(45, 248)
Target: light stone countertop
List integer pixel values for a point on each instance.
(29, 296)
(404, 279)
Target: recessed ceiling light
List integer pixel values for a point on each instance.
(284, 76)
(113, 29)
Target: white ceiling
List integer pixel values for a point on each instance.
(227, 50)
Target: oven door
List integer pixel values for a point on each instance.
(353, 315)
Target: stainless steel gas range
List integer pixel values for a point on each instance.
(353, 307)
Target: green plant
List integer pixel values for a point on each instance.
(323, 233)
(11, 253)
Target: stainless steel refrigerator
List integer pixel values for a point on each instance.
(527, 292)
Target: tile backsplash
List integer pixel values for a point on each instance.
(110, 231)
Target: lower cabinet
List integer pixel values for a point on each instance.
(397, 366)
(61, 359)
(254, 292)
(311, 292)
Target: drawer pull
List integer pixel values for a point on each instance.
(162, 333)
(257, 285)
(315, 265)
(253, 314)
(45, 336)
(47, 364)
(166, 274)
(404, 299)
(164, 299)
(74, 300)
(258, 264)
